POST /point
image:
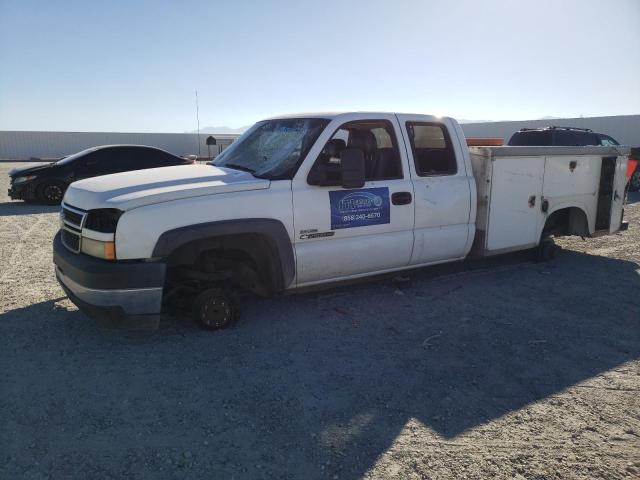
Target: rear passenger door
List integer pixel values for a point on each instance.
(442, 186)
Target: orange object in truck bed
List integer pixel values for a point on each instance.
(631, 166)
(484, 142)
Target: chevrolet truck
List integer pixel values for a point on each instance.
(310, 200)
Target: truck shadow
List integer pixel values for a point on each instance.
(323, 377)
(23, 208)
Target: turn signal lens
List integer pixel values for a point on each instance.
(110, 250)
(98, 248)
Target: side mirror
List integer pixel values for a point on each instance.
(352, 168)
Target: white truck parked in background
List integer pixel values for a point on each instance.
(314, 199)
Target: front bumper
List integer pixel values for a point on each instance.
(22, 191)
(127, 294)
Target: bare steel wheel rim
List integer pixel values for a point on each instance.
(52, 193)
(216, 312)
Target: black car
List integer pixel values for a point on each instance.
(568, 137)
(46, 183)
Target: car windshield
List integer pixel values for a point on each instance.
(273, 149)
(71, 158)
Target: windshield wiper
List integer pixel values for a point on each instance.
(239, 167)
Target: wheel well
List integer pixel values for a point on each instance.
(49, 181)
(566, 221)
(39, 188)
(249, 261)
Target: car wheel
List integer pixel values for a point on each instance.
(634, 182)
(214, 309)
(51, 193)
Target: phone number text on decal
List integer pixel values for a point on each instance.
(360, 216)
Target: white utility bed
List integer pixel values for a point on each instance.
(518, 188)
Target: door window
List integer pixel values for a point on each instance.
(377, 141)
(573, 138)
(164, 159)
(432, 149)
(607, 141)
(97, 163)
(152, 158)
(122, 160)
(142, 158)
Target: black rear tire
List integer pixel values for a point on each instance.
(51, 193)
(546, 251)
(214, 309)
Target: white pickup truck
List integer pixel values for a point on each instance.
(315, 199)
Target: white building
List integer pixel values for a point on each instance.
(25, 145)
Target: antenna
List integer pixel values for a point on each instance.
(198, 121)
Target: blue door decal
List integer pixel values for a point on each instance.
(359, 208)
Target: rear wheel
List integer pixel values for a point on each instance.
(214, 309)
(51, 193)
(546, 251)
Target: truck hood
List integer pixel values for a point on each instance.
(128, 190)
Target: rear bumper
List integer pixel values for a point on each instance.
(127, 294)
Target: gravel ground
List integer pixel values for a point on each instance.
(506, 369)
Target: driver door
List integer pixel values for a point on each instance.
(342, 233)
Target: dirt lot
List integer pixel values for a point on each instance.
(508, 369)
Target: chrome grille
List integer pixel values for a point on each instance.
(72, 216)
(72, 220)
(71, 240)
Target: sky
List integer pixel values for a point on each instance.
(134, 66)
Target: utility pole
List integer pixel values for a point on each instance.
(198, 121)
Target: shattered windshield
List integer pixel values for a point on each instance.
(273, 149)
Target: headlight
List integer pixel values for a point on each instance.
(103, 220)
(26, 178)
(98, 233)
(99, 248)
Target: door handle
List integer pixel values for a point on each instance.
(544, 206)
(401, 198)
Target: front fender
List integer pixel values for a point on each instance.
(271, 229)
